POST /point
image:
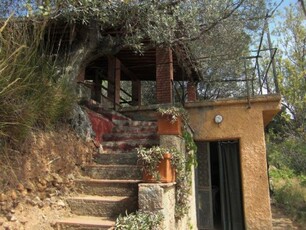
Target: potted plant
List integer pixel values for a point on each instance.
(170, 120)
(156, 164)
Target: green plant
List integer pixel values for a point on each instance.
(151, 157)
(191, 149)
(289, 152)
(174, 113)
(292, 197)
(34, 91)
(139, 221)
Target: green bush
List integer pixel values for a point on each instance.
(290, 153)
(292, 197)
(139, 221)
(34, 92)
(287, 160)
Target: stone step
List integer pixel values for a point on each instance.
(85, 223)
(107, 187)
(127, 158)
(134, 129)
(113, 172)
(134, 123)
(109, 206)
(129, 136)
(123, 146)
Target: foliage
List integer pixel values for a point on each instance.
(183, 164)
(174, 113)
(218, 27)
(139, 221)
(287, 162)
(287, 153)
(286, 140)
(150, 159)
(289, 192)
(33, 89)
(191, 149)
(291, 34)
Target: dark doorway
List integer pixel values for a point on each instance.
(219, 166)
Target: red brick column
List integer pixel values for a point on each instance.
(191, 91)
(164, 75)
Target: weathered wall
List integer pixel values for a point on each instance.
(247, 125)
(100, 125)
(158, 197)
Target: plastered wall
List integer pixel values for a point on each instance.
(246, 123)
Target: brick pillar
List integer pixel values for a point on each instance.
(114, 72)
(191, 91)
(136, 92)
(164, 75)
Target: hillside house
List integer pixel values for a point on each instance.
(230, 184)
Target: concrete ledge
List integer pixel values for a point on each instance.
(234, 101)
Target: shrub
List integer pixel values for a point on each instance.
(139, 221)
(288, 153)
(34, 92)
(291, 195)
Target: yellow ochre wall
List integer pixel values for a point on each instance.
(245, 123)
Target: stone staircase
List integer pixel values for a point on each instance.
(109, 186)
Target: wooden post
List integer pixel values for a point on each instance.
(136, 92)
(114, 73)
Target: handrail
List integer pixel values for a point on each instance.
(89, 85)
(122, 100)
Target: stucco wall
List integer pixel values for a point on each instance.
(247, 125)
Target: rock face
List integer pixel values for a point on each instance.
(109, 186)
(81, 123)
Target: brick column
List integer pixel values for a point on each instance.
(191, 91)
(164, 75)
(114, 72)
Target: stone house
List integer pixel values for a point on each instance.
(230, 184)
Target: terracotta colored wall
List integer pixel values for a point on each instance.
(247, 125)
(100, 125)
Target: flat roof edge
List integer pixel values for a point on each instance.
(235, 101)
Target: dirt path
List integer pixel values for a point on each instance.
(282, 222)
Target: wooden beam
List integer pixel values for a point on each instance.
(114, 74)
(128, 72)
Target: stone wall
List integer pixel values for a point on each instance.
(158, 197)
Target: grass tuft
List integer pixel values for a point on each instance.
(34, 90)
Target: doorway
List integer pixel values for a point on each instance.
(219, 191)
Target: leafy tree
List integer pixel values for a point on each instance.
(292, 68)
(286, 141)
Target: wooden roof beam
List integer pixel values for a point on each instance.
(129, 73)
